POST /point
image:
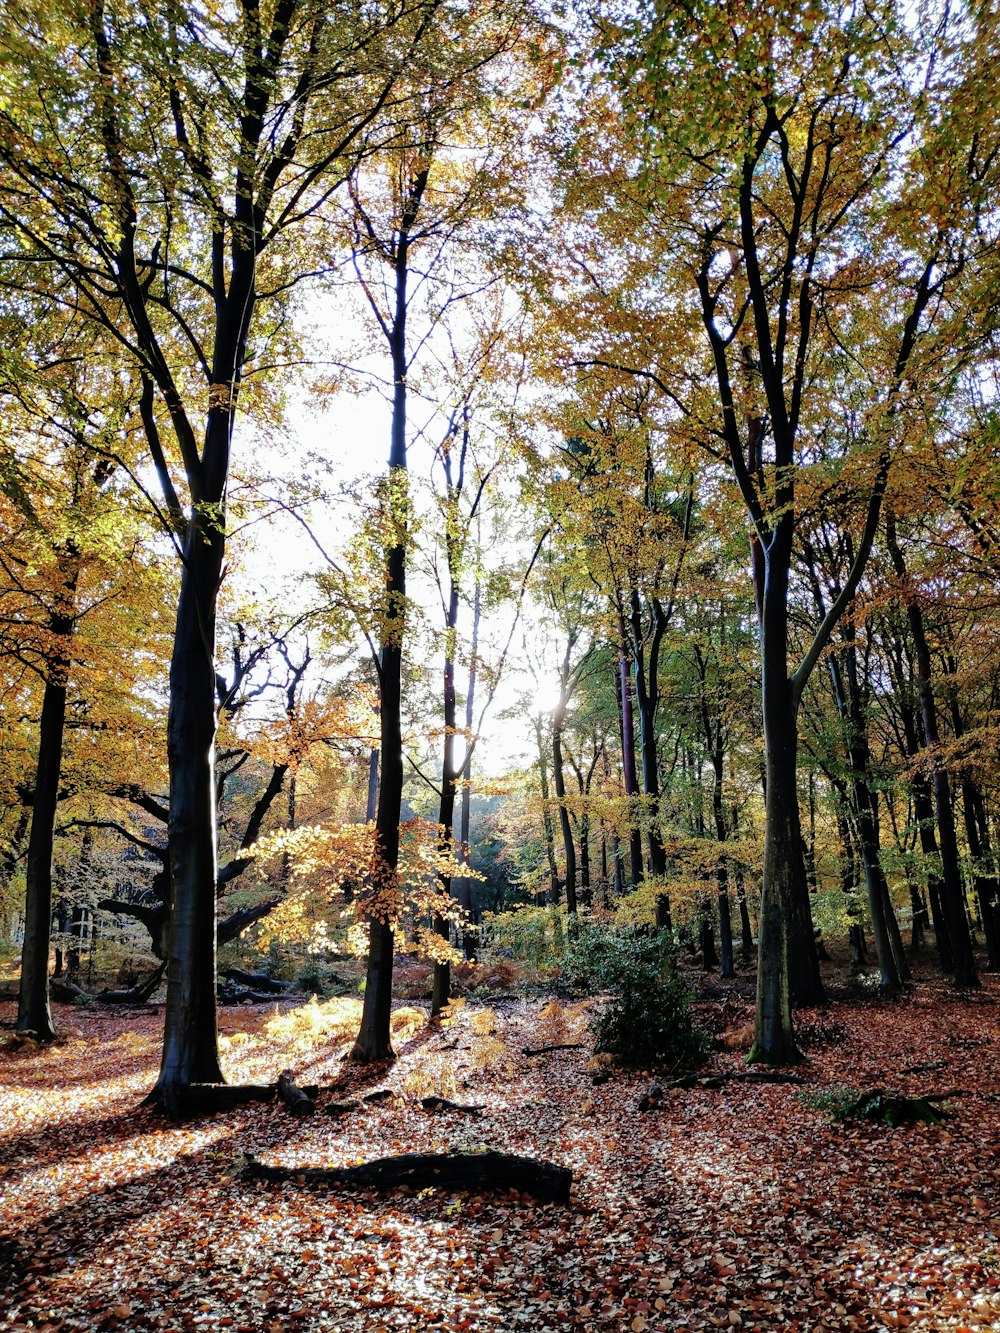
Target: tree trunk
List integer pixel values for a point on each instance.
(76, 928)
(715, 740)
(774, 1042)
(453, 1170)
(559, 780)
(550, 844)
(952, 893)
(371, 805)
(784, 881)
(33, 1013)
(628, 764)
(851, 710)
(441, 989)
(190, 1037)
(61, 923)
(746, 925)
(465, 884)
(373, 1041)
(987, 885)
(977, 833)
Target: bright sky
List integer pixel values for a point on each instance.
(350, 432)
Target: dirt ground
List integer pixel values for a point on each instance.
(738, 1207)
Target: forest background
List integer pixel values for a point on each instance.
(674, 607)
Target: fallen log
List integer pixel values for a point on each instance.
(434, 1103)
(256, 981)
(473, 1171)
(891, 1108)
(294, 1098)
(340, 1108)
(546, 1050)
(928, 1067)
(653, 1099)
(379, 1095)
(735, 1076)
(233, 993)
(67, 992)
(135, 995)
(211, 1098)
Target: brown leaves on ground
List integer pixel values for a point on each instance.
(733, 1208)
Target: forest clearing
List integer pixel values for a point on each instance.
(499, 665)
(738, 1206)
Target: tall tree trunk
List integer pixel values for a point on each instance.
(550, 843)
(190, 1037)
(923, 811)
(585, 895)
(728, 966)
(746, 925)
(371, 805)
(784, 906)
(373, 1040)
(465, 883)
(715, 741)
(441, 989)
(847, 694)
(977, 834)
(952, 893)
(628, 762)
(559, 781)
(61, 923)
(33, 1013)
(647, 698)
(784, 872)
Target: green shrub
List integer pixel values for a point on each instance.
(648, 1019)
(875, 1104)
(837, 1101)
(531, 935)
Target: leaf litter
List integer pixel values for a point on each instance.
(735, 1207)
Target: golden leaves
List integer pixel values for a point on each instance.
(336, 873)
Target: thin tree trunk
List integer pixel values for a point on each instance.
(372, 803)
(847, 695)
(33, 1013)
(977, 833)
(952, 893)
(465, 884)
(559, 781)
(746, 925)
(628, 763)
(373, 1040)
(550, 846)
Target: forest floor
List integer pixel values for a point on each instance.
(738, 1207)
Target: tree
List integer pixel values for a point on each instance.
(173, 228)
(412, 219)
(58, 565)
(818, 136)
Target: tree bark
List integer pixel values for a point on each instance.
(547, 829)
(952, 893)
(33, 1013)
(190, 1037)
(470, 931)
(847, 694)
(373, 1041)
(628, 762)
(774, 1042)
(559, 780)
